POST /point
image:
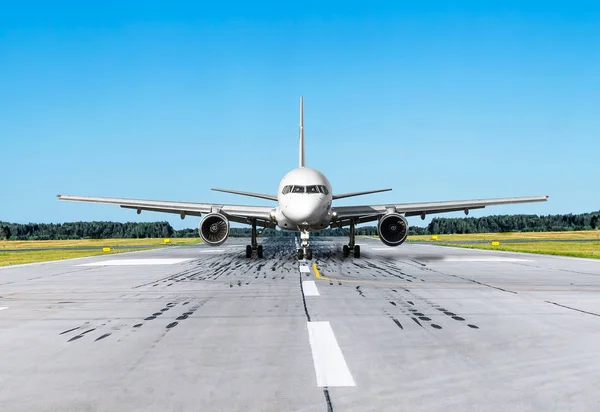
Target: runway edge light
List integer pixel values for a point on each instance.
(495, 243)
(106, 249)
(167, 241)
(434, 237)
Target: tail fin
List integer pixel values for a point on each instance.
(301, 150)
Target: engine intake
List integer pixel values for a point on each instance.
(214, 229)
(393, 229)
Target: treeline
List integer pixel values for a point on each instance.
(488, 224)
(84, 230)
(514, 223)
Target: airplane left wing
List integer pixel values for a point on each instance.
(369, 213)
(236, 213)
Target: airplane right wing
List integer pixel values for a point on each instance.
(236, 213)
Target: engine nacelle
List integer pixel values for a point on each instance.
(214, 229)
(393, 229)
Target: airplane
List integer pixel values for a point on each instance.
(304, 204)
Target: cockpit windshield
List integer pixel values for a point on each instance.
(305, 189)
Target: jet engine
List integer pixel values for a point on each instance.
(214, 229)
(393, 229)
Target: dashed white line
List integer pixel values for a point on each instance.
(4, 307)
(309, 288)
(482, 259)
(134, 262)
(304, 269)
(330, 365)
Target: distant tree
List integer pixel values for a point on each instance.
(6, 232)
(594, 222)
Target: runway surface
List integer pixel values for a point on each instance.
(193, 328)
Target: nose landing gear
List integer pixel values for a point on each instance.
(304, 252)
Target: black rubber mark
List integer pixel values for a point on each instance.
(182, 317)
(137, 325)
(394, 290)
(65, 302)
(449, 313)
(157, 314)
(433, 325)
(239, 283)
(172, 325)
(70, 330)
(185, 303)
(327, 399)
(424, 318)
(306, 309)
(392, 303)
(457, 318)
(417, 322)
(568, 307)
(190, 312)
(397, 322)
(473, 326)
(419, 314)
(75, 338)
(102, 337)
(410, 302)
(88, 331)
(150, 318)
(164, 309)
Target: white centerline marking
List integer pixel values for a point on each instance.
(134, 262)
(304, 269)
(213, 251)
(330, 365)
(4, 307)
(310, 288)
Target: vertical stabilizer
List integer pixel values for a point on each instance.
(301, 149)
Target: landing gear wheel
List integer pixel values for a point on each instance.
(356, 251)
(309, 254)
(248, 251)
(346, 251)
(300, 254)
(259, 251)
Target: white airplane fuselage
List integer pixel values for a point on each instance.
(304, 201)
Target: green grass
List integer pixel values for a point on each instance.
(16, 258)
(575, 249)
(575, 235)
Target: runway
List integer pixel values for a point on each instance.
(193, 328)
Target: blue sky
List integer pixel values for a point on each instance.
(439, 100)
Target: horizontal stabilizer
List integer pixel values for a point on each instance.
(343, 195)
(237, 192)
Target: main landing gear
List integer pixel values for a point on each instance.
(254, 244)
(304, 252)
(351, 246)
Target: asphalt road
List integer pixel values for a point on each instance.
(413, 328)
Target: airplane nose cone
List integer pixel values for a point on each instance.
(302, 210)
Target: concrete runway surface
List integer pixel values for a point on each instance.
(193, 328)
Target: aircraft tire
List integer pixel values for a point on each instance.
(259, 251)
(248, 251)
(357, 251)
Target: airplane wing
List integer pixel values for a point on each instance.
(369, 213)
(236, 213)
